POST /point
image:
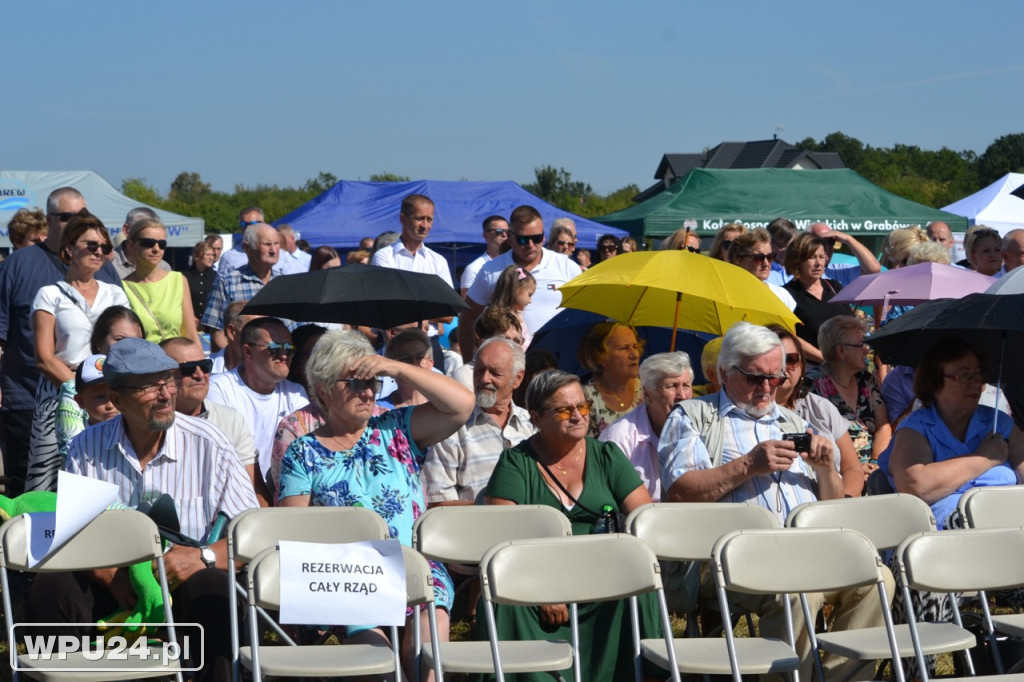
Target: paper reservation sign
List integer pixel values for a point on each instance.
(79, 500)
(357, 583)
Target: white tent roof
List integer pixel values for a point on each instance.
(994, 206)
(29, 189)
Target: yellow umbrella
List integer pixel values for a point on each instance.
(676, 289)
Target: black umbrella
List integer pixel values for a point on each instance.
(992, 325)
(357, 294)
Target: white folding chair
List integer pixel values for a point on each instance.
(256, 530)
(347, 660)
(993, 507)
(886, 520)
(791, 561)
(687, 532)
(569, 570)
(114, 538)
(460, 536)
(957, 561)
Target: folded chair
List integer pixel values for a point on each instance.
(114, 538)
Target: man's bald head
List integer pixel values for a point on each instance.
(939, 231)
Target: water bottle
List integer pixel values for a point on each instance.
(607, 522)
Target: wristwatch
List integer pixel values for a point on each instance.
(208, 556)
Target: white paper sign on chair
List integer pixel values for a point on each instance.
(356, 583)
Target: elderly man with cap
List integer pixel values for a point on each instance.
(148, 451)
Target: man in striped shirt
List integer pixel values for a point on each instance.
(147, 451)
(729, 446)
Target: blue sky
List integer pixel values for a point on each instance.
(262, 92)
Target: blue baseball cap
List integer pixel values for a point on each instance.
(136, 357)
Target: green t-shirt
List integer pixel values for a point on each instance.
(608, 478)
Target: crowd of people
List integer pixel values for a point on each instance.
(105, 375)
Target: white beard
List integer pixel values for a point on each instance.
(756, 412)
(486, 398)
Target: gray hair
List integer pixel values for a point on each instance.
(518, 355)
(545, 385)
(664, 365)
(568, 223)
(333, 352)
(251, 236)
(286, 229)
(834, 330)
(140, 225)
(384, 239)
(744, 341)
(53, 201)
(928, 252)
(138, 213)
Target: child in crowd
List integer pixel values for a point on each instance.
(92, 395)
(514, 290)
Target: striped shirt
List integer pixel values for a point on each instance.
(459, 467)
(681, 450)
(196, 465)
(233, 285)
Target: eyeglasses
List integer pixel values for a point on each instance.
(63, 216)
(562, 242)
(564, 413)
(758, 257)
(863, 346)
(274, 348)
(149, 243)
(93, 247)
(758, 379)
(188, 369)
(524, 239)
(691, 249)
(499, 231)
(792, 359)
(150, 391)
(607, 247)
(360, 385)
(967, 378)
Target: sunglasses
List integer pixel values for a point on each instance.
(188, 369)
(758, 379)
(274, 348)
(360, 385)
(562, 242)
(63, 216)
(93, 247)
(149, 243)
(524, 239)
(247, 223)
(726, 243)
(691, 249)
(565, 413)
(792, 359)
(500, 231)
(758, 257)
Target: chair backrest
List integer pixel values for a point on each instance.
(255, 530)
(687, 531)
(795, 560)
(118, 537)
(462, 534)
(963, 560)
(993, 507)
(887, 520)
(265, 578)
(575, 569)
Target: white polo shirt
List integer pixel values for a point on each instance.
(424, 260)
(553, 270)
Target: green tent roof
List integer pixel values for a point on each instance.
(705, 199)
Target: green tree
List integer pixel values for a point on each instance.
(557, 187)
(1005, 155)
(141, 191)
(188, 187)
(321, 183)
(388, 177)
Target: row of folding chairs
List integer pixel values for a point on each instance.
(594, 569)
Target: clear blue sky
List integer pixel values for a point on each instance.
(274, 92)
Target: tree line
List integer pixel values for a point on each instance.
(933, 178)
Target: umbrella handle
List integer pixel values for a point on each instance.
(999, 382)
(675, 321)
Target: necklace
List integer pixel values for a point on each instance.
(835, 380)
(615, 394)
(565, 470)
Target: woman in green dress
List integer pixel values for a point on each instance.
(561, 467)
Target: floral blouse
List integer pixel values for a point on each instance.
(861, 416)
(601, 415)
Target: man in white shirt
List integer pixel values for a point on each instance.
(292, 260)
(235, 257)
(496, 236)
(259, 388)
(550, 269)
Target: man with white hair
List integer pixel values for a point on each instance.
(458, 468)
(735, 445)
(235, 257)
(262, 248)
(667, 378)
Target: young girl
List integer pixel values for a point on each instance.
(514, 290)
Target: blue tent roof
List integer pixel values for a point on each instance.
(349, 211)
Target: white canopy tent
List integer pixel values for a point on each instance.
(29, 189)
(994, 205)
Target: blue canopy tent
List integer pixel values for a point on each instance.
(350, 210)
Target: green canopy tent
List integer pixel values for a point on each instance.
(705, 199)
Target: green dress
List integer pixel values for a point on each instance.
(605, 638)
